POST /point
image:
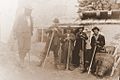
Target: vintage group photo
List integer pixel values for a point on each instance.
(60, 40)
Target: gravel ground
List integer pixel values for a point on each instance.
(10, 70)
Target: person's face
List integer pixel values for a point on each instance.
(80, 30)
(56, 23)
(88, 33)
(28, 12)
(68, 31)
(96, 31)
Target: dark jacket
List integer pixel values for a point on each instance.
(100, 42)
(57, 36)
(79, 45)
(79, 38)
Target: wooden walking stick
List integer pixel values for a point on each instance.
(68, 56)
(29, 57)
(48, 49)
(94, 52)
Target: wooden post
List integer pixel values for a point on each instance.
(42, 35)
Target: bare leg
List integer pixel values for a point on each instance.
(22, 55)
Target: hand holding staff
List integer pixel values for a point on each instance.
(94, 52)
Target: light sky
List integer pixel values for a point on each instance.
(7, 14)
(44, 11)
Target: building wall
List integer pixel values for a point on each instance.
(108, 30)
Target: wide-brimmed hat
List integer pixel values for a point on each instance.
(81, 28)
(95, 28)
(77, 29)
(68, 28)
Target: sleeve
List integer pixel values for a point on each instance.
(92, 42)
(77, 36)
(73, 37)
(85, 36)
(59, 32)
(49, 30)
(102, 41)
(62, 38)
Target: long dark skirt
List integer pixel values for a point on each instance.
(76, 57)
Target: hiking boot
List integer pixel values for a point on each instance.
(82, 70)
(71, 68)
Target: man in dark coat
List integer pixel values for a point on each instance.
(79, 49)
(55, 44)
(97, 40)
(67, 44)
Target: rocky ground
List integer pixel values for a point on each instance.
(10, 69)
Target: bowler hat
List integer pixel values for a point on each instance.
(95, 28)
(81, 28)
(69, 27)
(77, 30)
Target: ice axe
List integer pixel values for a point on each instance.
(68, 56)
(48, 49)
(94, 52)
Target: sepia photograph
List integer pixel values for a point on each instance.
(59, 39)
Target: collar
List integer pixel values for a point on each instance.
(96, 36)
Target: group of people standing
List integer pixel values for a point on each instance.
(69, 47)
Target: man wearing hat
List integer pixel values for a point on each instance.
(55, 45)
(67, 47)
(79, 49)
(97, 40)
(23, 30)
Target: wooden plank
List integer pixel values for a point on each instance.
(103, 14)
(92, 22)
